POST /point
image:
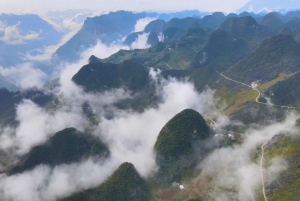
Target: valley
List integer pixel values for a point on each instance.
(150, 106)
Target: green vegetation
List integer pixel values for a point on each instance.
(286, 186)
(246, 28)
(178, 146)
(172, 34)
(7, 106)
(286, 92)
(235, 100)
(275, 55)
(293, 24)
(273, 22)
(152, 39)
(124, 185)
(157, 26)
(131, 38)
(220, 51)
(97, 76)
(9, 100)
(199, 199)
(176, 54)
(66, 146)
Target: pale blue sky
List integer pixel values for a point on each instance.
(134, 5)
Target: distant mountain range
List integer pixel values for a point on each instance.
(24, 35)
(270, 5)
(250, 61)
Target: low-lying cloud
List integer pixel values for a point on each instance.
(142, 23)
(13, 36)
(130, 135)
(25, 75)
(235, 174)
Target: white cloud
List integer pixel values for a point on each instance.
(142, 23)
(103, 51)
(13, 36)
(141, 42)
(25, 75)
(130, 136)
(233, 169)
(47, 52)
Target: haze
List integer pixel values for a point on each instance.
(133, 5)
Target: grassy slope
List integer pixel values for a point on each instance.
(287, 186)
(275, 55)
(286, 92)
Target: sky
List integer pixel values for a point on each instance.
(133, 5)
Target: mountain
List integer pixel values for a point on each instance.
(286, 92)
(105, 28)
(157, 26)
(98, 76)
(213, 21)
(178, 147)
(184, 23)
(272, 21)
(152, 39)
(291, 14)
(275, 55)
(6, 83)
(172, 34)
(293, 24)
(220, 51)
(246, 28)
(269, 5)
(287, 31)
(9, 100)
(24, 34)
(125, 184)
(182, 14)
(37, 96)
(7, 105)
(64, 147)
(173, 55)
(285, 186)
(131, 38)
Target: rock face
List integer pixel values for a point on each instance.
(178, 147)
(66, 146)
(124, 185)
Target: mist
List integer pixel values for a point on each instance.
(236, 172)
(129, 135)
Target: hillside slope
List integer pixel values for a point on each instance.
(124, 185)
(64, 147)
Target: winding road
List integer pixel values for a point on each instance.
(264, 144)
(167, 65)
(259, 93)
(262, 170)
